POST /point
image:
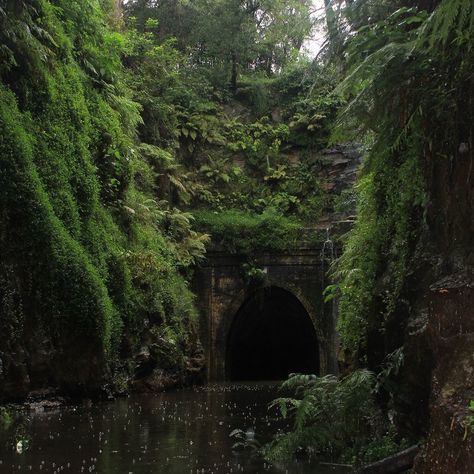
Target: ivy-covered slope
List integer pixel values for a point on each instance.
(83, 271)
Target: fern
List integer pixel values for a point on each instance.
(328, 413)
(407, 72)
(452, 21)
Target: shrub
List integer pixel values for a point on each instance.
(335, 419)
(245, 233)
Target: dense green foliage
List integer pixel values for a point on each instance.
(333, 419)
(112, 134)
(380, 237)
(408, 73)
(249, 233)
(469, 420)
(252, 147)
(89, 256)
(128, 144)
(226, 38)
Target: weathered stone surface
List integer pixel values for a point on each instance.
(450, 448)
(158, 381)
(160, 365)
(221, 289)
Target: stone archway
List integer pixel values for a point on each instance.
(272, 335)
(222, 292)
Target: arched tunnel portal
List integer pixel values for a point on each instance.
(272, 335)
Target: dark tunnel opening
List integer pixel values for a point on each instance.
(272, 336)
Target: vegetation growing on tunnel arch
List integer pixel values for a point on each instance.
(246, 233)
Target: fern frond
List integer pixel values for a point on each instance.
(452, 21)
(327, 412)
(304, 410)
(285, 405)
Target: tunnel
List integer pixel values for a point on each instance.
(271, 336)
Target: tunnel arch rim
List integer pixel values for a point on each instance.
(230, 314)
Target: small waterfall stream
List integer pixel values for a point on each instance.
(327, 254)
(327, 257)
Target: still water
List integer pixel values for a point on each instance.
(185, 431)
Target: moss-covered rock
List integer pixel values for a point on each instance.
(81, 278)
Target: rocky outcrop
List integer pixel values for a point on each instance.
(337, 169)
(450, 444)
(160, 365)
(432, 326)
(450, 313)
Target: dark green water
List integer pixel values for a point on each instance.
(185, 431)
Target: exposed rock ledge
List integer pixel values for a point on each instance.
(450, 448)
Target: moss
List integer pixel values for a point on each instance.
(66, 287)
(246, 233)
(75, 267)
(381, 250)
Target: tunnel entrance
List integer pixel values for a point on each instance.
(272, 336)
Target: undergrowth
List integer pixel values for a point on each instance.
(89, 255)
(334, 419)
(245, 233)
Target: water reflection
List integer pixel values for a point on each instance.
(185, 431)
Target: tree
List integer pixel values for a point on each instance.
(223, 38)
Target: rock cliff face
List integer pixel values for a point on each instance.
(450, 447)
(434, 323)
(447, 336)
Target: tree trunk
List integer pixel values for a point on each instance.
(118, 10)
(233, 78)
(330, 22)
